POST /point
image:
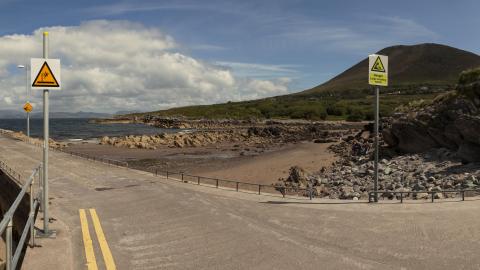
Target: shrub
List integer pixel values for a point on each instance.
(469, 76)
(355, 116)
(334, 110)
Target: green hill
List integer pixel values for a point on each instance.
(417, 73)
(410, 66)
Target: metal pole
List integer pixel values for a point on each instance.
(45, 144)
(8, 236)
(32, 213)
(375, 183)
(28, 126)
(28, 101)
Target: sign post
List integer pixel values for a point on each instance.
(378, 76)
(45, 74)
(28, 108)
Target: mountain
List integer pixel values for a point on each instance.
(423, 64)
(417, 74)
(11, 114)
(73, 115)
(127, 112)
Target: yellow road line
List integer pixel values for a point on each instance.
(87, 241)
(107, 255)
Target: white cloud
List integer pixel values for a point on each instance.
(120, 65)
(7, 100)
(370, 32)
(259, 70)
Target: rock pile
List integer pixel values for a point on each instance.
(351, 177)
(179, 140)
(252, 136)
(36, 141)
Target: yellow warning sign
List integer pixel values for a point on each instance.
(378, 65)
(378, 70)
(45, 77)
(28, 107)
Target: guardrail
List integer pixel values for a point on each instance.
(94, 158)
(233, 185)
(6, 225)
(12, 173)
(82, 155)
(431, 194)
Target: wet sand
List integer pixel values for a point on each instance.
(226, 161)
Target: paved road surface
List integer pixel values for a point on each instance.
(152, 223)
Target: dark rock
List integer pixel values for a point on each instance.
(389, 138)
(469, 152)
(412, 138)
(469, 128)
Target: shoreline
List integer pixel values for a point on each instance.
(260, 166)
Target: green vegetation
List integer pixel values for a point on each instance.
(297, 107)
(469, 83)
(469, 76)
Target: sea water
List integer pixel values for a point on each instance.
(77, 129)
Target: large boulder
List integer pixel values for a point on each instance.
(298, 175)
(469, 128)
(469, 152)
(412, 138)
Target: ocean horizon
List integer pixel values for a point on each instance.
(64, 129)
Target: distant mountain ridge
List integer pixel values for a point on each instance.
(12, 114)
(428, 64)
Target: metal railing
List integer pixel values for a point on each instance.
(414, 194)
(94, 158)
(6, 225)
(56, 149)
(232, 185)
(11, 172)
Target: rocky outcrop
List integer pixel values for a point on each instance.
(452, 122)
(32, 140)
(251, 136)
(351, 177)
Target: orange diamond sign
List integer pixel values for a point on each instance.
(28, 107)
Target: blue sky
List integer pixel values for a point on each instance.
(303, 43)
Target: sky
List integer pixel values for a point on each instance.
(149, 55)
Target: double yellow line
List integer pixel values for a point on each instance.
(87, 241)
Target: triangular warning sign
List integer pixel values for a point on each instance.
(378, 65)
(45, 77)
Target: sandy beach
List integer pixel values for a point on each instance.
(225, 161)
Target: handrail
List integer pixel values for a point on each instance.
(12, 173)
(81, 155)
(259, 188)
(431, 192)
(7, 222)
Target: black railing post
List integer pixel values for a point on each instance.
(463, 195)
(217, 183)
(259, 187)
(182, 177)
(198, 180)
(401, 197)
(167, 174)
(284, 191)
(237, 186)
(433, 195)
